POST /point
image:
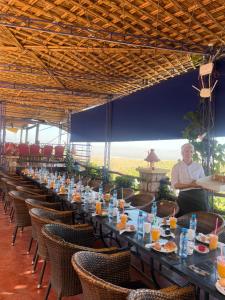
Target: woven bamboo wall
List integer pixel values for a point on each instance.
(113, 49)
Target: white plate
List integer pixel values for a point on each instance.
(220, 288)
(162, 250)
(128, 229)
(162, 234)
(199, 238)
(104, 214)
(202, 252)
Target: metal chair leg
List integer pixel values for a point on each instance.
(59, 297)
(14, 235)
(35, 253)
(11, 214)
(30, 245)
(41, 274)
(47, 291)
(35, 263)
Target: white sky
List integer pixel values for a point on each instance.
(165, 149)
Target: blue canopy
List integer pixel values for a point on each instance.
(153, 113)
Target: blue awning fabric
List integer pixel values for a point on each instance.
(150, 114)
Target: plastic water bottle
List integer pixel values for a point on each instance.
(191, 234)
(191, 241)
(140, 222)
(100, 192)
(193, 223)
(154, 209)
(183, 251)
(115, 197)
(111, 207)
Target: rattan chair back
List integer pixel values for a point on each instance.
(170, 293)
(141, 201)
(30, 190)
(40, 217)
(127, 193)
(206, 222)
(102, 275)
(62, 242)
(35, 203)
(166, 208)
(21, 212)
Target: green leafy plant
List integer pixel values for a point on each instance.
(207, 147)
(164, 190)
(124, 181)
(69, 162)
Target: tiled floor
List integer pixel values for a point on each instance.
(16, 279)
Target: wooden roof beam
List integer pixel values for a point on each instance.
(205, 28)
(50, 90)
(103, 36)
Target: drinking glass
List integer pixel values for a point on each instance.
(221, 266)
(173, 223)
(155, 232)
(213, 241)
(122, 203)
(123, 219)
(98, 207)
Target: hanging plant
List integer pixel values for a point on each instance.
(69, 161)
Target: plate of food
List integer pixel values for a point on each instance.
(125, 227)
(168, 247)
(103, 214)
(165, 232)
(203, 238)
(202, 249)
(220, 285)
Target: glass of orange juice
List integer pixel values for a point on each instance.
(213, 241)
(221, 266)
(122, 203)
(123, 218)
(155, 233)
(98, 208)
(173, 223)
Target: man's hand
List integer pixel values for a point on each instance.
(195, 185)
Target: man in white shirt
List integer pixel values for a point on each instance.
(184, 175)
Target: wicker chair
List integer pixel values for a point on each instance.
(106, 277)
(206, 221)
(170, 293)
(141, 201)
(62, 242)
(40, 217)
(22, 217)
(30, 190)
(127, 193)
(35, 203)
(166, 208)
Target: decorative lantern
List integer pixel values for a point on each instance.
(152, 158)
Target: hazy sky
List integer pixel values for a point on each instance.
(165, 149)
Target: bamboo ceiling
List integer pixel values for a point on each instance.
(61, 56)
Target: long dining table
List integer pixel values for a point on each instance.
(198, 269)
